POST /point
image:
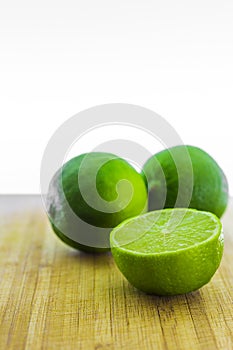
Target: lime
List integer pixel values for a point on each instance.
(91, 194)
(170, 251)
(185, 176)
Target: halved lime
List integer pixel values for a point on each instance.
(170, 251)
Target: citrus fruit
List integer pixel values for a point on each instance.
(185, 176)
(170, 251)
(91, 194)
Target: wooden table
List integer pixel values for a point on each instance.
(52, 297)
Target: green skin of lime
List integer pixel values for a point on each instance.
(65, 194)
(169, 272)
(76, 245)
(144, 272)
(209, 191)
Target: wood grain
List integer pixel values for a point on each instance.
(52, 297)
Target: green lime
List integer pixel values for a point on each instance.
(185, 176)
(170, 251)
(91, 194)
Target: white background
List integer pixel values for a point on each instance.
(60, 57)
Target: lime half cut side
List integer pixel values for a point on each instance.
(170, 251)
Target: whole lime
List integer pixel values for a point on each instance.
(185, 176)
(170, 251)
(91, 194)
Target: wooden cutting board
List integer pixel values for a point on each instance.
(52, 297)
